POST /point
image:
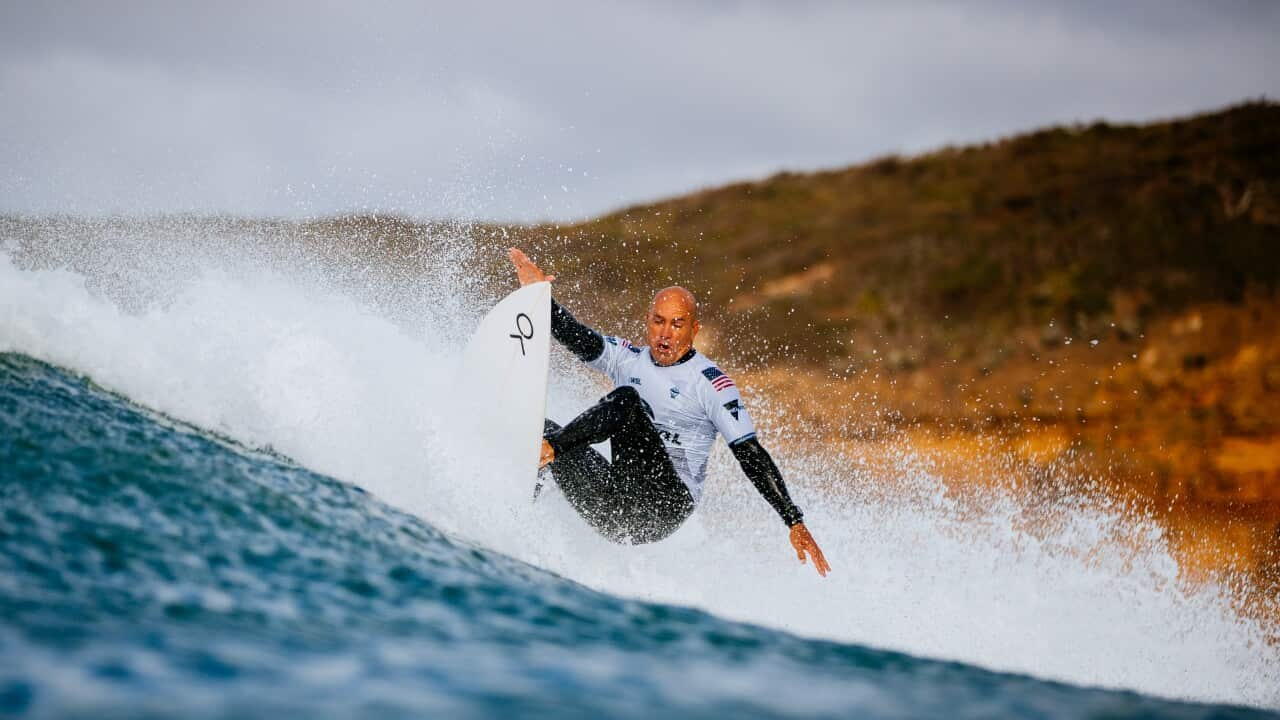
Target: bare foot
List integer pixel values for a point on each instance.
(548, 454)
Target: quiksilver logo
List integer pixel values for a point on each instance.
(733, 407)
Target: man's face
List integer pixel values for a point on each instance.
(672, 325)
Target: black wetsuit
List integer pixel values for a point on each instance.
(645, 493)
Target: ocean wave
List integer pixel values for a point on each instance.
(333, 372)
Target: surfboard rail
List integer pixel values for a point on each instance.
(501, 390)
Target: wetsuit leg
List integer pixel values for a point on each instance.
(638, 498)
(583, 475)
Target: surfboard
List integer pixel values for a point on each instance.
(502, 383)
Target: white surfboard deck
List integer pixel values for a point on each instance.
(502, 385)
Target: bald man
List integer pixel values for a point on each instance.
(668, 404)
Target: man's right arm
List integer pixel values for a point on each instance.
(581, 340)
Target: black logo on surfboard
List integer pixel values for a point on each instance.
(521, 334)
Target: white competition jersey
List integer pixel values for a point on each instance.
(691, 401)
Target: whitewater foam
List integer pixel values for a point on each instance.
(272, 351)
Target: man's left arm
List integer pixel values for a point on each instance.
(759, 467)
(723, 404)
(764, 474)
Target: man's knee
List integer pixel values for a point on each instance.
(629, 398)
(626, 393)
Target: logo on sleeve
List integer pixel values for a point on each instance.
(718, 379)
(733, 407)
(621, 342)
(635, 381)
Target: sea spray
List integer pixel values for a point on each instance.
(341, 371)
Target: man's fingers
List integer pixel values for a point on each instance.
(526, 270)
(821, 563)
(519, 259)
(819, 560)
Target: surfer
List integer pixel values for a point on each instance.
(661, 420)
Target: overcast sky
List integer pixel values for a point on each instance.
(561, 110)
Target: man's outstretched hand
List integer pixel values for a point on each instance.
(804, 544)
(525, 269)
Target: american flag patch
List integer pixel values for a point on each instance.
(718, 379)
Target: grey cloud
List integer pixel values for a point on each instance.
(561, 109)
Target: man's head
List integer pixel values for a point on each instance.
(672, 323)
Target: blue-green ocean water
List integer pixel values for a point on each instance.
(148, 568)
